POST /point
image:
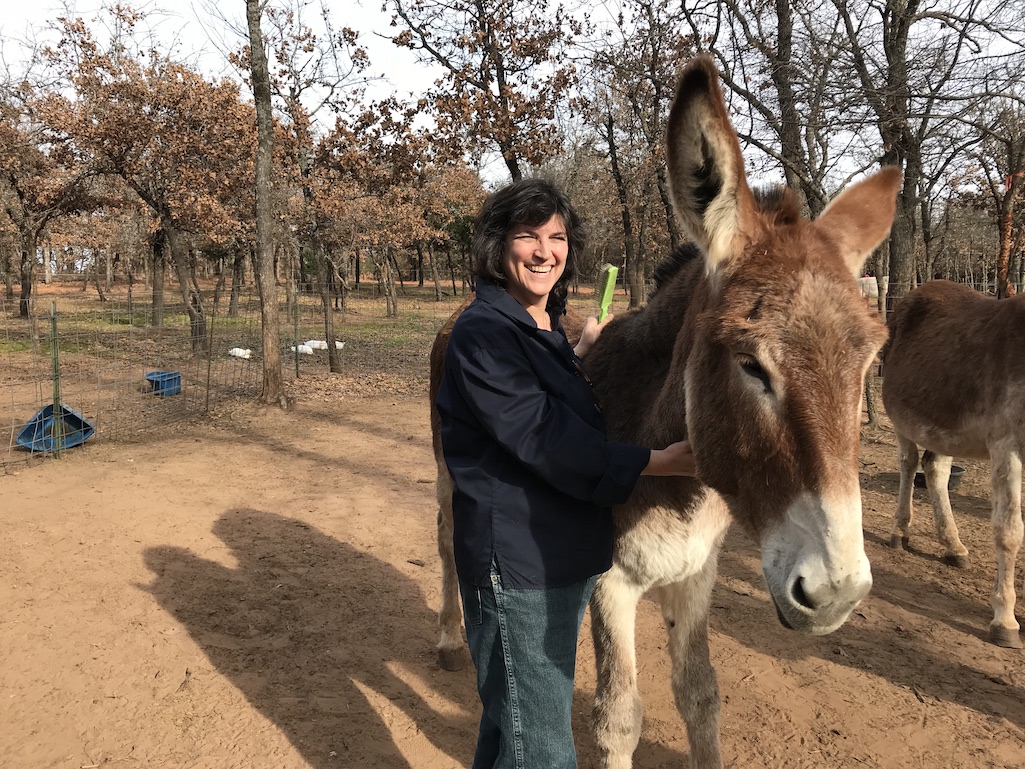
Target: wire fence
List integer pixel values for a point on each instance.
(103, 369)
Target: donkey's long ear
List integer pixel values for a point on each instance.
(860, 217)
(706, 169)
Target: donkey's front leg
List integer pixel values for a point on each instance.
(618, 710)
(695, 686)
(451, 655)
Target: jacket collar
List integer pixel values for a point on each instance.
(503, 301)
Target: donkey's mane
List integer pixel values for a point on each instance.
(673, 265)
(779, 203)
(776, 201)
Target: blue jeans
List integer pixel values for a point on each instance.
(524, 646)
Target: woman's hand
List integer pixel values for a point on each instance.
(674, 459)
(590, 333)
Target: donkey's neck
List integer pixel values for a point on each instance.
(632, 361)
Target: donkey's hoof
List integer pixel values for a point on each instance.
(1005, 637)
(451, 659)
(896, 540)
(957, 561)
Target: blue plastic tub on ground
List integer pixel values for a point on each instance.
(165, 382)
(38, 433)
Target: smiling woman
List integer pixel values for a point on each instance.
(534, 475)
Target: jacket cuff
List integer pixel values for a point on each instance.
(626, 462)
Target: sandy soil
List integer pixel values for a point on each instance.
(261, 589)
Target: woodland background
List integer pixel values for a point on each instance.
(123, 163)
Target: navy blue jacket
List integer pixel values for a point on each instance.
(524, 440)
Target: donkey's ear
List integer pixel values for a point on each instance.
(860, 217)
(705, 166)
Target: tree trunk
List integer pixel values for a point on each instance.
(221, 280)
(324, 281)
(238, 270)
(187, 286)
(452, 273)
(28, 264)
(398, 270)
(86, 270)
(634, 278)
(902, 244)
(435, 275)
(157, 250)
(273, 380)
(383, 269)
(1005, 225)
(871, 409)
(8, 273)
(96, 278)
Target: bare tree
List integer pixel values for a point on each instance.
(631, 65)
(504, 73)
(273, 384)
(314, 73)
(1001, 158)
(920, 66)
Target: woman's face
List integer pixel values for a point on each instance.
(534, 259)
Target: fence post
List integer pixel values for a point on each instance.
(57, 429)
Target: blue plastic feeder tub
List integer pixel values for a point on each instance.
(37, 434)
(165, 382)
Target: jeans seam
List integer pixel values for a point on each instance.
(514, 703)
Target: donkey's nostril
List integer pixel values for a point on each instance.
(800, 597)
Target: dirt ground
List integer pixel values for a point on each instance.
(261, 589)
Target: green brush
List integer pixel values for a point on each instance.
(606, 285)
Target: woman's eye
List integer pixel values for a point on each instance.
(750, 366)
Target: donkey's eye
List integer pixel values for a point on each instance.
(750, 366)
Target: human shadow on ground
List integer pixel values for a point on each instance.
(317, 635)
(333, 645)
(751, 621)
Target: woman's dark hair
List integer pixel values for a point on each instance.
(531, 202)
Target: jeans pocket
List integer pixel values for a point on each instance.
(473, 614)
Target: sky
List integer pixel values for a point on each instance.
(191, 26)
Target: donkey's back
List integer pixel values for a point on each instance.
(954, 372)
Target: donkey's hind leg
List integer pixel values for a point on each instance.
(451, 655)
(618, 710)
(1008, 531)
(936, 468)
(695, 686)
(907, 461)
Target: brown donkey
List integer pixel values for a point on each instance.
(954, 384)
(756, 347)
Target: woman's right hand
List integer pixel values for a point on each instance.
(675, 459)
(589, 334)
